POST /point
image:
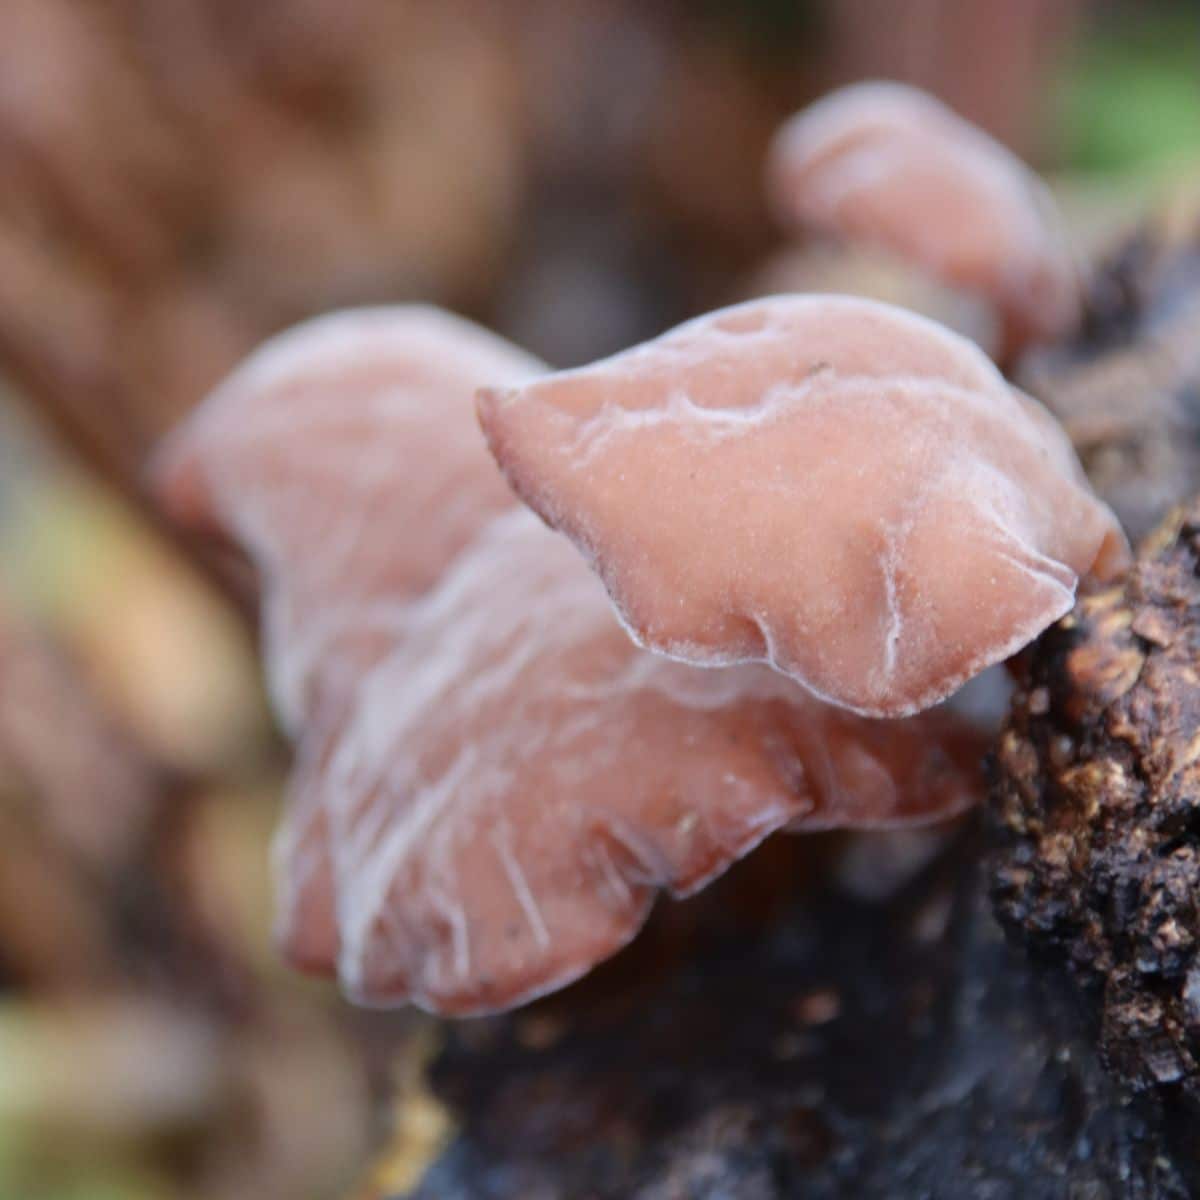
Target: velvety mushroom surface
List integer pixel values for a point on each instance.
(345, 459)
(518, 779)
(846, 491)
(889, 165)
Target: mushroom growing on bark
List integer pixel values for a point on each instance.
(890, 166)
(836, 487)
(493, 781)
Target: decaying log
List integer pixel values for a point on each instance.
(817, 1046)
(1097, 807)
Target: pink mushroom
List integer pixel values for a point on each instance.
(345, 459)
(324, 432)
(492, 780)
(836, 487)
(888, 165)
(519, 779)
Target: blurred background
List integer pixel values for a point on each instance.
(181, 178)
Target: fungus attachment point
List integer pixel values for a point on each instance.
(839, 488)
(518, 779)
(344, 458)
(886, 164)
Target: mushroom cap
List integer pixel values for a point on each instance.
(887, 164)
(344, 457)
(839, 488)
(343, 422)
(517, 780)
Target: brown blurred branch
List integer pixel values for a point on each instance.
(178, 179)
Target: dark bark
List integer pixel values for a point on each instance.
(839, 1049)
(1097, 809)
(1127, 389)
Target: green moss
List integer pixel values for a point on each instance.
(1130, 97)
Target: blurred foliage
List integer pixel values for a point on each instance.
(1129, 100)
(180, 667)
(152, 1045)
